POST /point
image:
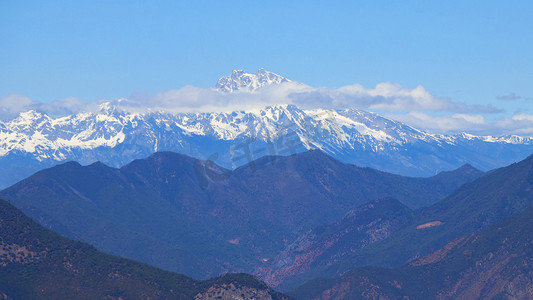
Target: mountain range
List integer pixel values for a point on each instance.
(314, 202)
(197, 218)
(36, 263)
(305, 222)
(325, 245)
(34, 140)
(495, 263)
(385, 233)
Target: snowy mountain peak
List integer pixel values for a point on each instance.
(29, 118)
(106, 107)
(116, 137)
(239, 81)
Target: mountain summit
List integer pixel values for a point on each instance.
(241, 81)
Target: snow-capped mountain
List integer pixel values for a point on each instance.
(34, 140)
(242, 81)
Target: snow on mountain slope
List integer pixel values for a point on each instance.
(34, 140)
(332, 131)
(46, 137)
(242, 81)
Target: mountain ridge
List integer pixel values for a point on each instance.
(361, 226)
(34, 140)
(36, 263)
(173, 211)
(470, 208)
(494, 263)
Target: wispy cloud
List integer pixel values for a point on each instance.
(442, 123)
(11, 105)
(386, 97)
(523, 117)
(519, 124)
(414, 106)
(65, 106)
(394, 97)
(509, 97)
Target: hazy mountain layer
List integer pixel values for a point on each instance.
(191, 216)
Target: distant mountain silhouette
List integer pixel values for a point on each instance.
(111, 134)
(192, 216)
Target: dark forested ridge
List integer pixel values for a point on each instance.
(36, 263)
(191, 216)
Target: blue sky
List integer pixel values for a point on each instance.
(466, 51)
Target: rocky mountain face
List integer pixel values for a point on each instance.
(471, 208)
(36, 263)
(240, 81)
(361, 226)
(195, 217)
(34, 141)
(495, 263)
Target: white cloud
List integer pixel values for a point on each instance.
(416, 106)
(391, 97)
(11, 105)
(385, 97)
(521, 124)
(439, 123)
(523, 117)
(65, 106)
(194, 99)
(474, 119)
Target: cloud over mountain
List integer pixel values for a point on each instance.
(243, 91)
(13, 104)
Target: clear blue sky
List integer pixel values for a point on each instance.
(469, 51)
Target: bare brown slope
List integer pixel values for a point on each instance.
(494, 263)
